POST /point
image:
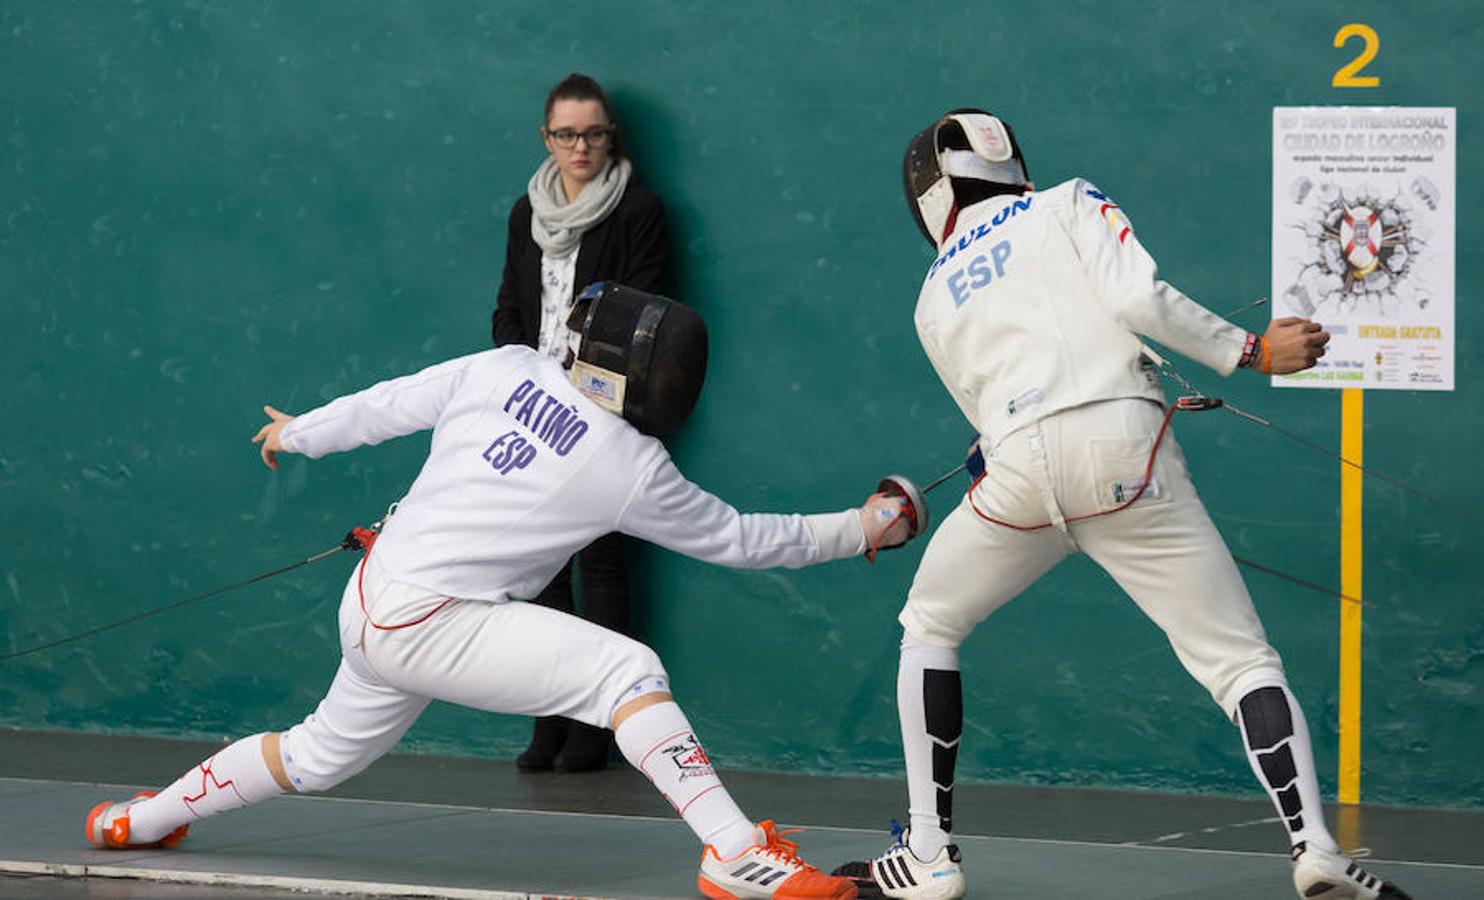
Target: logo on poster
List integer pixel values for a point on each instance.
(1358, 248)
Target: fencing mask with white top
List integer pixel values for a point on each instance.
(964, 157)
(638, 355)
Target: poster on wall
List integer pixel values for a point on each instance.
(1363, 241)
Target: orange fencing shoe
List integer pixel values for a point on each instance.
(107, 826)
(769, 868)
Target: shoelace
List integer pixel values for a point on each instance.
(898, 844)
(780, 849)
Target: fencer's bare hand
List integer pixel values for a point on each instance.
(268, 436)
(1295, 344)
(883, 521)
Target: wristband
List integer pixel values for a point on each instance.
(1250, 351)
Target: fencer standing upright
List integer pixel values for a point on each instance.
(1032, 314)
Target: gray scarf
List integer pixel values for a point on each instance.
(556, 225)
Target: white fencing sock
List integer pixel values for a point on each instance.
(235, 777)
(1276, 738)
(930, 704)
(659, 742)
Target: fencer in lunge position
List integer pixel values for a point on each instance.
(1031, 315)
(527, 465)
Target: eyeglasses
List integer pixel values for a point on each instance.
(566, 138)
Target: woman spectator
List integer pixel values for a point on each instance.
(584, 218)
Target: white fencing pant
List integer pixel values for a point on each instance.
(502, 657)
(1163, 551)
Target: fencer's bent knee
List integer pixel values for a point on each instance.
(316, 757)
(629, 707)
(633, 674)
(933, 627)
(1228, 693)
(273, 759)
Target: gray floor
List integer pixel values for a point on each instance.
(461, 827)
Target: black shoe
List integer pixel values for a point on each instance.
(547, 739)
(587, 748)
(858, 872)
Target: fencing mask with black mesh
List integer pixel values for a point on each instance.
(638, 355)
(964, 157)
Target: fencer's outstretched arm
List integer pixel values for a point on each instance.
(269, 434)
(1292, 345)
(667, 509)
(392, 408)
(1126, 280)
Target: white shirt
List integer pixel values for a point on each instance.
(557, 299)
(524, 471)
(1036, 302)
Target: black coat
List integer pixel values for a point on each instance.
(629, 247)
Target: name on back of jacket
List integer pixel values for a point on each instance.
(969, 238)
(544, 420)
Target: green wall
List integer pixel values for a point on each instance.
(207, 206)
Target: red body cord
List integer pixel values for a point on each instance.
(901, 514)
(1148, 471)
(367, 537)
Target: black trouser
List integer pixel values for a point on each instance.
(605, 584)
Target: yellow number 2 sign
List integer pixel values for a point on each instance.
(1347, 75)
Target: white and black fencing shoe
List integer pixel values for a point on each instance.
(1321, 875)
(899, 873)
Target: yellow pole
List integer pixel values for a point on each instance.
(1352, 418)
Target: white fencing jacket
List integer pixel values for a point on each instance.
(1036, 302)
(524, 471)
